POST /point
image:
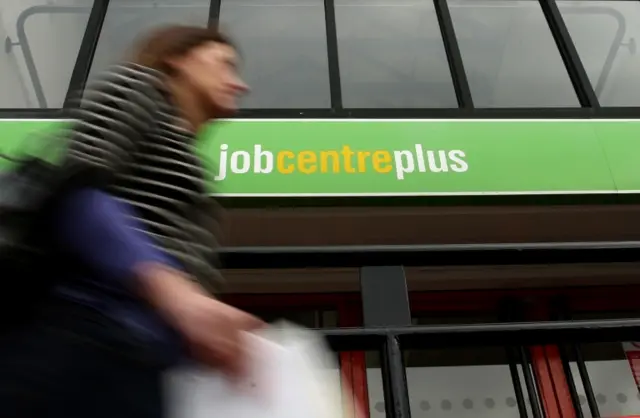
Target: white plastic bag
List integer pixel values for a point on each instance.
(286, 381)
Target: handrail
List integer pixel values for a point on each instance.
(391, 342)
(615, 45)
(23, 41)
(430, 254)
(498, 334)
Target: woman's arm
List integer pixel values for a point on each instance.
(98, 228)
(105, 233)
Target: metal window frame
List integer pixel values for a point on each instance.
(569, 54)
(87, 51)
(590, 107)
(214, 13)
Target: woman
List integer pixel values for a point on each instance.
(136, 296)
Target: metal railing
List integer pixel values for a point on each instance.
(515, 337)
(431, 254)
(391, 342)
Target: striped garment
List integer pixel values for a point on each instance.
(127, 126)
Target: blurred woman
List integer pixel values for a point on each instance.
(136, 296)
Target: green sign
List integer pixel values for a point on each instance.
(407, 157)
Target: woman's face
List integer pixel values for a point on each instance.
(212, 69)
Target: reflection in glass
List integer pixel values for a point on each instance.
(42, 41)
(606, 34)
(128, 19)
(391, 55)
(284, 49)
(509, 55)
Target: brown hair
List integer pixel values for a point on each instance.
(156, 48)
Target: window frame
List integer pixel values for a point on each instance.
(590, 107)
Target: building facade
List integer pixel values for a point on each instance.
(448, 189)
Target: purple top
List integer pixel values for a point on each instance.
(103, 233)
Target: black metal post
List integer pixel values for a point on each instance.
(577, 73)
(586, 382)
(511, 311)
(82, 68)
(573, 391)
(560, 311)
(512, 358)
(530, 383)
(454, 57)
(214, 12)
(385, 299)
(385, 303)
(394, 380)
(333, 55)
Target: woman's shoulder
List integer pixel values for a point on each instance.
(133, 71)
(129, 81)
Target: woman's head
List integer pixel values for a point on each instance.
(200, 60)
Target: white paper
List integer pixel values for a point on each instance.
(285, 382)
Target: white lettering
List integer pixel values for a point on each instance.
(222, 163)
(240, 162)
(404, 163)
(433, 164)
(457, 157)
(258, 154)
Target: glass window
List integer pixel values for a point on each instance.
(609, 370)
(453, 383)
(127, 19)
(284, 50)
(41, 44)
(391, 55)
(605, 34)
(611, 378)
(509, 55)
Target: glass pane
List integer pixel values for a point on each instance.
(127, 19)
(605, 34)
(611, 379)
(284, 49)
(41, 42)
(510, 56)
(452, 383)
(392, 55)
